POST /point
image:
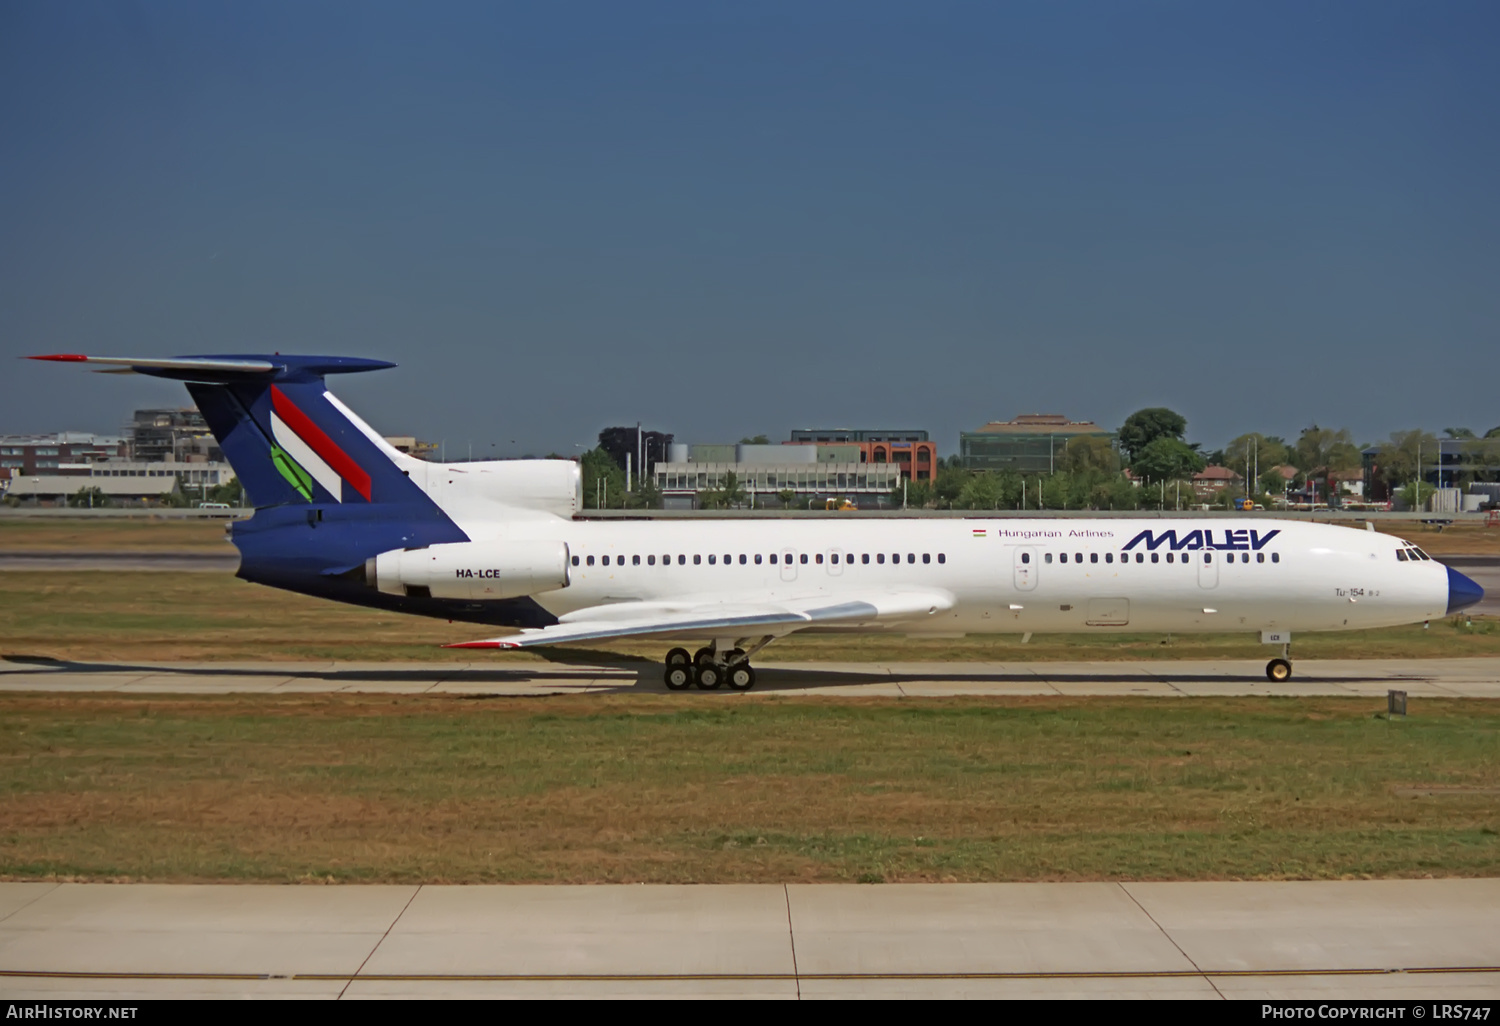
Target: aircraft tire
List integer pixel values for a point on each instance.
(678, 676)
(678, 657)
(1278, 670)
(703, 656)
(708, 676)
(741, 677)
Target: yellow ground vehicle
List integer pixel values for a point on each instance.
(838, 504)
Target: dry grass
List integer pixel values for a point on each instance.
(661, 788)
(19, 534)
(145, 616)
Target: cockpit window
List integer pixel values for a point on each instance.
(1401, 555)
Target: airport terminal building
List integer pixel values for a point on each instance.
(1030, 444)
(813, 473)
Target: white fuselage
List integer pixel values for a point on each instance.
(1007, 575)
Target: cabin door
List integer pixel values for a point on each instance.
(788, 565)
(1208, 569)
(1025, 568)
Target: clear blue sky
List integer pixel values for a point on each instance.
(731, 218)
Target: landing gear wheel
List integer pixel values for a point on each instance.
(741, 677)
(703, 656)
(679, 676)
(1278, 670)
(709, 676)
(678, 657)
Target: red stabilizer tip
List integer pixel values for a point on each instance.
(62, 358)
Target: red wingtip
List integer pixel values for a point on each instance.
(62, 358)
(476, 644)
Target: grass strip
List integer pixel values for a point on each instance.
(571, 789)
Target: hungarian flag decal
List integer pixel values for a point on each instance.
(304, 453)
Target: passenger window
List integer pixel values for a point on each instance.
(1026, 557)
(1169, 557)
(697, 560)
(728, 559)
(650, 560)
(880, 557)
(1208, 557)
(711, 559)
(575, 560)
(927, 557)
(1078, 557)
(635, 560)
(833, 558)
(591, 561)
(865, 558)
(1276, 557)
(1260, 557)
(757, 559)
(1093, 557)
(817, 559)
(1062, 557)
(1140, 557)
(773, 558)
(1155, 557)
(942, 558)
(681, 560)
(604, 560)
(1109, 557)
(804, 558)
(911, 557)
(1047, 557)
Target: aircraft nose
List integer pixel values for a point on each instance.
(1462, 592)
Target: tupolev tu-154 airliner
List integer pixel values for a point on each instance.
(342, 515)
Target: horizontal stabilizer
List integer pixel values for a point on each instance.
(227, 369)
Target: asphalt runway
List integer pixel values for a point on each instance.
(1365, 940)
(120, 560)
(1447, 678)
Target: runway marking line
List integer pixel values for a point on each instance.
(704, 977)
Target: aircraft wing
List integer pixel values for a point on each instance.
(709, 618)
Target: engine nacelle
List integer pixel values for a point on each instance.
(476, 571)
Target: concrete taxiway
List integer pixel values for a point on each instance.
(1445, 678)
(1390, 939)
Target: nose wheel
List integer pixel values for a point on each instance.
(1278, 670)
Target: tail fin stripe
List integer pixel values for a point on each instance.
(317, 440)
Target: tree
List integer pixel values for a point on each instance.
(1090, 453)
(1416, 494)
(729, 495)
(757, 440)
(1253, 449)
(1143, 427)
(1404, 453)
(1167, 459)
(1493, 432)
(1460, 432)
(1324, 450)
(603, 480)
(786, 495)
(89, 498)
(982, 491)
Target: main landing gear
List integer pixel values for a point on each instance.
(711, 668)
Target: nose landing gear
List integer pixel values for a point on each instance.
(1278, 670)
